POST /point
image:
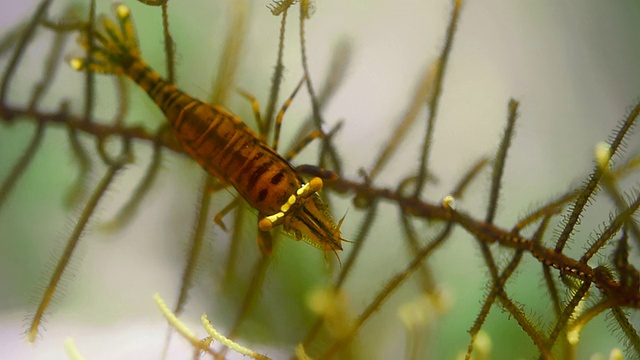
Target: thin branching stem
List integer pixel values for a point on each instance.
(276, 79)
(423, 90)
(611, 187)
(234, 247)
(359, 241)
(195, 246)
(592, 185)
(498, 292)
(464, 182)
(345, 270)
(255, 286)
(549, 208)
(21, 48)
(335, 77)
(567, 314)
(427, 281)
(612, 229)
(72, 243)
(434, 100)
(629, 331)
(89, 76)
(231, 53)
(12, 36)
(336, 73)
(154, 2)
(76, 192)
(123, 101)
(500, 161)
(68, 22)
(496, 289)
(53, 60)
(329, 152)
(22, 164)
(65, 26)
(526, 325)
(387, 290)
(169, 45)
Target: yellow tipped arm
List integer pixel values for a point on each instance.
(228, 342)
(115, 46)
(77, 64)
(72, 350)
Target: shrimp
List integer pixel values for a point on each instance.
(220, 142)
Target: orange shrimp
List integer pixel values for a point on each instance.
(221, 143)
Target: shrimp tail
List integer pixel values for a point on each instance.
(115, 48)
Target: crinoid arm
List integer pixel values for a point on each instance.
(116, 46)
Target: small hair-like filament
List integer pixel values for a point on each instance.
(278, 6)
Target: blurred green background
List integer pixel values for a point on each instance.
(572, 65)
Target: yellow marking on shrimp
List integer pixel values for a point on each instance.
(220, 142)
(310, 188)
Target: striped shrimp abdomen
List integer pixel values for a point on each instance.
(229, 149)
